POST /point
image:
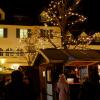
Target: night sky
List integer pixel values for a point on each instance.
(90, 8)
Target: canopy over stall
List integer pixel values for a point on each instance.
(81, 70)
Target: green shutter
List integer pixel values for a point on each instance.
(17, 33)
(5, 33)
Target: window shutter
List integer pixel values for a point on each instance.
(5, 33)
(29, 32)
(17, 33)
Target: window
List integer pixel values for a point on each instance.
(46, 33)
(23, 33)
(3, 32)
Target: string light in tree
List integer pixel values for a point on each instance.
(54, 14)
(62, 13)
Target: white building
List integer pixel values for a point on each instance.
(11, 44)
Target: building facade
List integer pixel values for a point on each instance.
(11, 43)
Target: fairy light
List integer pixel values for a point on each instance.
(53, 12)
(58, 14)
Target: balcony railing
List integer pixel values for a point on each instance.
(11, 53)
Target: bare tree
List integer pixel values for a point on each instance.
(28, 46)
(62, 13)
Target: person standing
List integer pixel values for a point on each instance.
(17, 89)
(63, 88)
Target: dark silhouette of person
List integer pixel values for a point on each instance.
(90, 89)
(34, 83)
(17, 89)
(2, 87)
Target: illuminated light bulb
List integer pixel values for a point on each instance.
(50, 8)
(54, 15)
(59, 17)
(55, 12)
(70, 9)
(72, 23)
(76, 14)
(54, 6)
(52, 1)
(49, 4)
(72, 13)
(69, 12)
(58, 3)
(54, 24)
(51, 19)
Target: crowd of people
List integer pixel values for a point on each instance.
(18, 87)
(89, 89)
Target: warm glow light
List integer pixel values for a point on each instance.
(2, 61)
(70, 80)
(43, 73)
(1, 69)
(98, 66)
(15, 66)
(53, 11)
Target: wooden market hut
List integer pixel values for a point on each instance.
(83, 59)
(82, 64)
(49, 63)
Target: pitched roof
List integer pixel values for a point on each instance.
(55, 54)
(52, 55)
(85, 54)
(81, 63)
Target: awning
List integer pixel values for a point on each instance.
(81, 63)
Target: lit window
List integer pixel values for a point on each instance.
(1, 32)
(15, 66)
(23, 33)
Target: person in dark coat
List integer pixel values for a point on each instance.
(90, 89)
(16, 89)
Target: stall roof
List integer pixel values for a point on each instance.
(85, 54)
(55, 54)
(81, 63)
(52, 55)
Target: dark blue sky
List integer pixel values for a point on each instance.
(90, 8)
